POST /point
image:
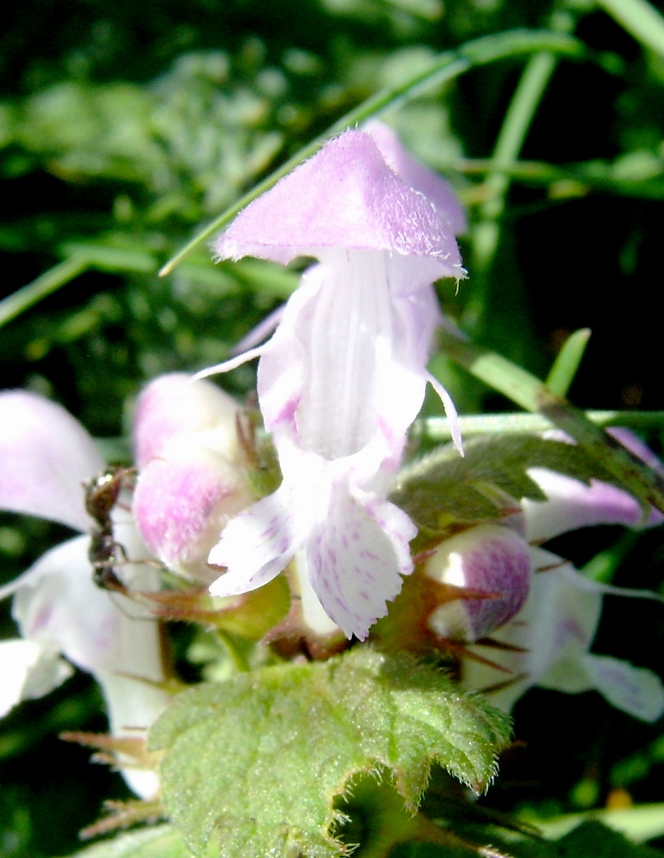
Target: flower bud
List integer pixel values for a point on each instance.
(174, 405)
(191, 481)
(183, 502)
(487, 559)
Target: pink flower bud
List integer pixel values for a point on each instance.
(489, 559)
(173, 405)
(190, 482)
(183, 502)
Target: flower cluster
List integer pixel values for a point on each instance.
(340, 381)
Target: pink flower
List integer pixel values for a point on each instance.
(343, 377)
(46, 456)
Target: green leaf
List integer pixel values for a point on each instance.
(255, 764)
(443, 488)
(162, 841)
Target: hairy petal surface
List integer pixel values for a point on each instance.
(419, 177)
(345, 196)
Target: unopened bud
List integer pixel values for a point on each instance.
(191, 481)
(174, 405)
(489, 560)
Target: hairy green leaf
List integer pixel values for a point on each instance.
(255, 764)
(443, 488)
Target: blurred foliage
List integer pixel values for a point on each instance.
(124, 127)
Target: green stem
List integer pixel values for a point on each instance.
(448, 66)
(640, 19)
(27, 296)
(438, 428)
(533, 395)
(512, 135)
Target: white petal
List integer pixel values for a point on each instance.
(571, 504)
(58, 606)
(356, 556)
(133, 707)
(256, 545)
(313, 612)
(46, 456)
(28, 671)
(635, 690)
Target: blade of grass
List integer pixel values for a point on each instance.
(80, 258)
(516, 123)
(448, 66)
(566, 365)
(27, 296)
(640, 19)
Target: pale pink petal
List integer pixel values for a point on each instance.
(46, 456)
(182, 503)
(634, 690)
(419, 177)
(555, 630)
(345, 196)
(486, 558)
(57, 605)
(572, 504)
(256, 545)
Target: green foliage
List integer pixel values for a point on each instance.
(157, 842)
(589, 839)
(256, 763)
(443, 489)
